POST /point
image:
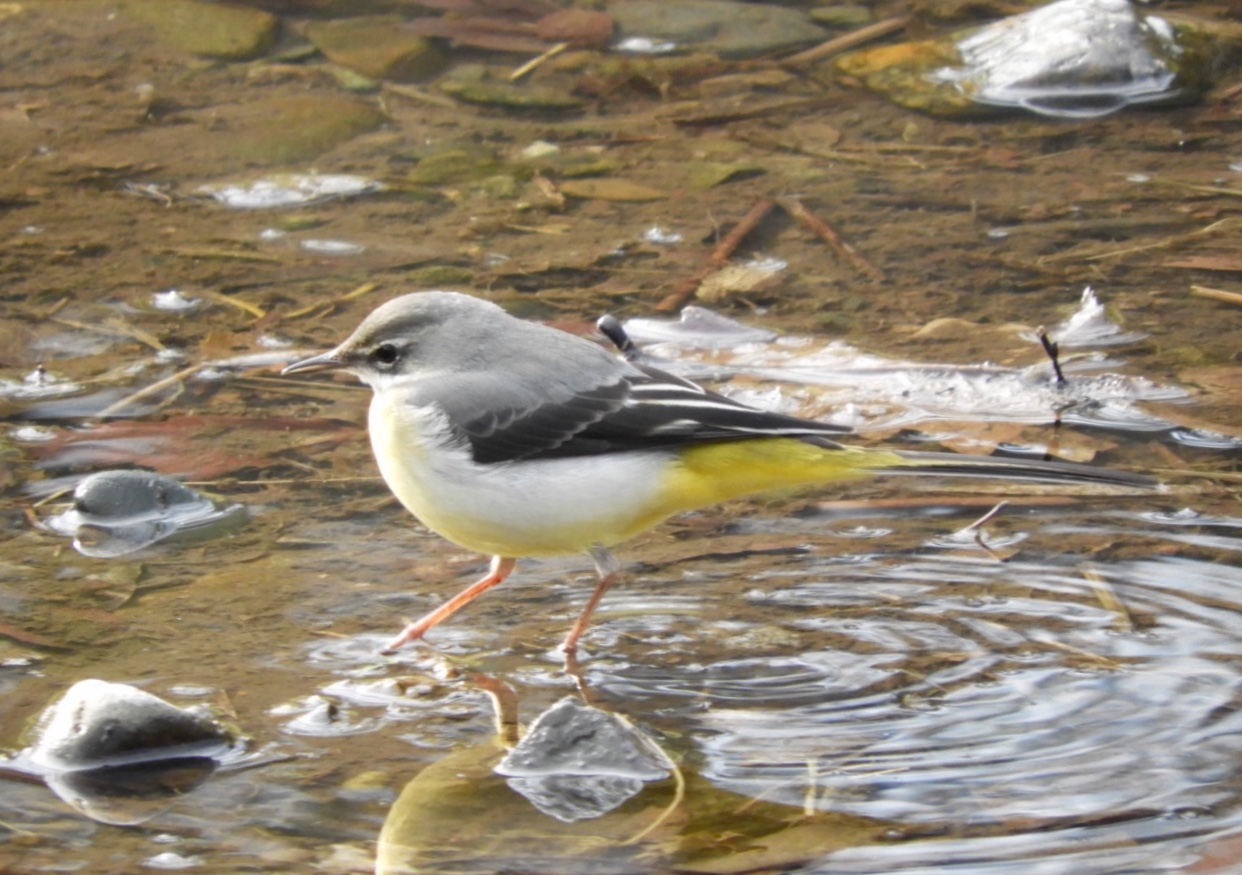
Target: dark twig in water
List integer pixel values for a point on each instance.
(1054, 353)
(720, 255)
(824, 231)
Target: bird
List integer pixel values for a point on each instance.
(515, 439)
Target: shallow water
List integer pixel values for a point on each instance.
(847, 681)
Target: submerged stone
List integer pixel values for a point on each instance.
(509, 96)
(729, 29)
(293, 129)
(212, 30)
(453, 163)
(841, 15)
(377, 47)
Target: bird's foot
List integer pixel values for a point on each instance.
(413, 632)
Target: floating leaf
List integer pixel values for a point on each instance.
(611, 189)
(708, 174)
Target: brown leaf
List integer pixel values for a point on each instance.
(189, 447)
(217, 344)
(578, 27)
(611, 189)
(21, 636)
(481, 33)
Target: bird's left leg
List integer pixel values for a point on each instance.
(607, 567)
(501, 567)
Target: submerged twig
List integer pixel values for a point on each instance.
(323, 307)
(1163, 243)
(825, 232)
(848, 41)
(1216, 294)
(419, 94)
(158, 385)
(245, 306)
(115, 326)
(724, 249)
(537, 61)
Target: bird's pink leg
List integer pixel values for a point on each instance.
(607, 568)
(501, 567)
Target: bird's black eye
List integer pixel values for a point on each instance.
(385, 355)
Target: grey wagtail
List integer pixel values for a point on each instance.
(516, 439)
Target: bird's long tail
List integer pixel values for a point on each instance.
(1037, 470)
(712, 473)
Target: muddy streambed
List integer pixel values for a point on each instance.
(844, 680)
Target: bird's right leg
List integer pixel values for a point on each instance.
(501, 567)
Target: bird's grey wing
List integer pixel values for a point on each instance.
(662, 409)
(625, 409)
(521, 417)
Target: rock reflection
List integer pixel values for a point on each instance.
(578, 762)
(130, 795)
(587, 791)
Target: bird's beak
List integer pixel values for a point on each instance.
(325, 361)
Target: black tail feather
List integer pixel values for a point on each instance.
(1037, 470)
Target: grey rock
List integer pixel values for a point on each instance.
(97, 724)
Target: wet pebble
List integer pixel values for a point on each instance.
(289, 130)
(728, 29)
(119, 512)
(97, 723)
(377, 47)
(212, 30)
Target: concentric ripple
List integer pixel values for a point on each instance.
(1032, 705)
